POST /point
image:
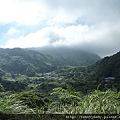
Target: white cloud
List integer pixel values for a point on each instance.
(88, 24)
(101, 41)
(31, 40)
(50, 35)
(21, 12)
(30, 12)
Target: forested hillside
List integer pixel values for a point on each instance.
(88, 78)
(17, 62)
(109, 66)
(30, 62)
(32, 82)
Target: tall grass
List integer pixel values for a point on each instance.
(96, 102)
(69, 102)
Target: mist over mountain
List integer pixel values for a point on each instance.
(93, 77)
(30, 62)
(81, 69)
(59, 57)
(74, 56)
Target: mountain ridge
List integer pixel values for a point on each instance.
(29, 62)
(74, 54)
(107, 67)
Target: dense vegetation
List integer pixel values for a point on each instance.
(34, 83)
(68, 102)
(107, 67)
(29, 62)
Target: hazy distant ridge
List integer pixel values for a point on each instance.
(30, 62)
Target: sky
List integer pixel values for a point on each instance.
(92, 25)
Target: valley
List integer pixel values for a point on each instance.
(42, 82)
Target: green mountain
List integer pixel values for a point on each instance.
(30, 62)
(74, 72)
(107, 67)
(92, 77)
(69, 56)
(64, 90)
